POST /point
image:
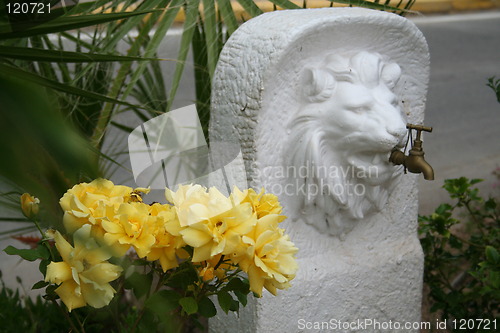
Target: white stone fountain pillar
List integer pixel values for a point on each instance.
(318, 98)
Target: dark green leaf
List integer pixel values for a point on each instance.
(490, 205)
(70, 22)
(225, 301)
(206, 308)
(126, 129)
(183, 277)
(26, 254)
(494, 279)
(236, 284)
(492, 255)
(38, 54)
(40, 284)
(241, 297)
(455, 242)
(443, 208)
(163, 301)
(43, 251)
(189, 305)
(42, 267)
(31, 77)
(235, 306)
(50, 292)
(475, 181)
(140, 283)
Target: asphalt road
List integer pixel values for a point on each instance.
(465, 51)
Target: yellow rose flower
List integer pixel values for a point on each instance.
(213, 267)
(164, 226)
(84, 274)
(90, 203)
(29, 205)
(262, 203)
(131, 226)
(269, 259)
(207, 273)
(193, 203)
(219, 234)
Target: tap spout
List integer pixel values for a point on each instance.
(417, 164)
(427, 170)
(414, 162)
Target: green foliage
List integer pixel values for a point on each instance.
(462, 263)
(22, 314)
(181, 298)
(494, 84)
(147, 299)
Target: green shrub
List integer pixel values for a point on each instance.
(494, 84)
(461, 243)
(22, 314)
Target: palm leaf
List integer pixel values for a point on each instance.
(250, 7)
(285, 4)
(34, 78)
(228, 16)
(211, 38)
(152, 46)
(39, 54)
(191, 9)
(66, 23)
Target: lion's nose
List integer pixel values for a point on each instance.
(395, 124)
(399, 132)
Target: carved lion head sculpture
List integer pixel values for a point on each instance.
(340, 139)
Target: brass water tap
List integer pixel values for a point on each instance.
(415, 161)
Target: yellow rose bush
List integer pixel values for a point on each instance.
(168, 257)
(84, 274)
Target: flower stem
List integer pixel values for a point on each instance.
(68, 318)
(44, 239)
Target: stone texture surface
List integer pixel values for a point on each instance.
(374, 271)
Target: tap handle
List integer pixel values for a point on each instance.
(419, 127)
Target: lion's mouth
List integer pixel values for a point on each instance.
(370, 165)
(366, 159)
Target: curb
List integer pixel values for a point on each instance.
(449, 6)
(422, 6)
(419, 7)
